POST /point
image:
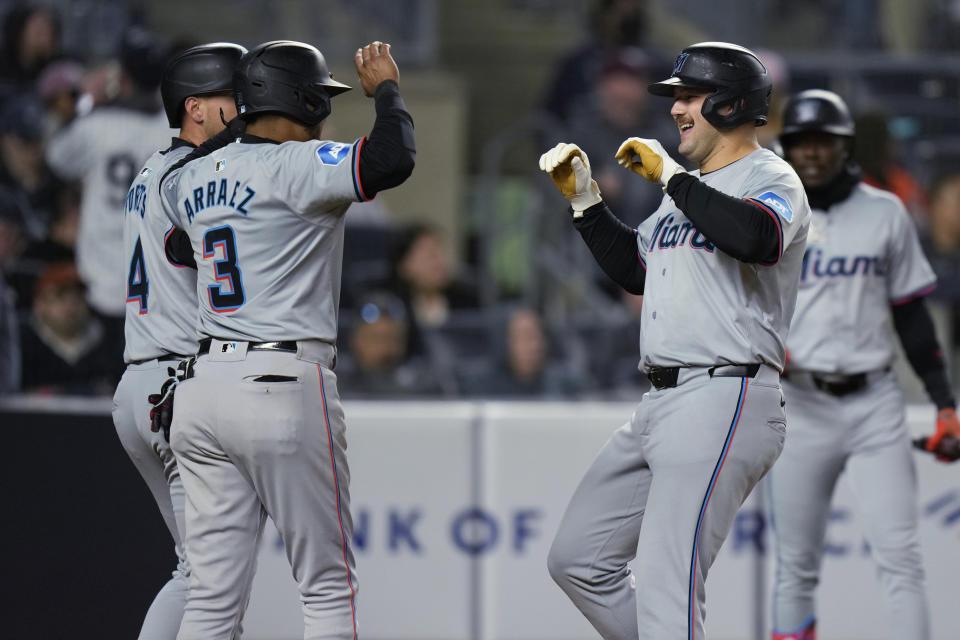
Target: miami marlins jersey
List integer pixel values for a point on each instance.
(862, 256)
(702, 307)
(267, 235)
(161, 311)
(104, 150)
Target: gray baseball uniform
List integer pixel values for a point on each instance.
(104, 150)
(161, 322)
(667, 485)
(260, 429)
(862, 257)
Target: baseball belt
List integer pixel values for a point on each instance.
(836, 384)
(289, 346)
(666, 377)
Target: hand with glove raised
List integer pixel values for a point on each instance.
(569, 169)
(647, 157)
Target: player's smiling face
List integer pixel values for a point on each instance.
(818, 158)
(697, 136)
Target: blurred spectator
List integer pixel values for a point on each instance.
(57, 246)
(424, 279)
(941, 242)
(64, 348)
(103, 150)
(31, 39)
(59, 87)
(876, 154)
(625, 380)
(377, 364)
(9, 342)
(618, 108)
(524, 367)
(12, 238)
(22, 165)
(612, 24)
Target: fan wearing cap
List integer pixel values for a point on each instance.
(718, 264)
(260, 428)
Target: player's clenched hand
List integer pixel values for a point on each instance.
(569, 168)
(647, 157)
(374, 65)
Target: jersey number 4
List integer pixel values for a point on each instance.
(138, 287)
(228, 295)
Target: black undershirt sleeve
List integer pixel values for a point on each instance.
(614, 245)
(915, 327)
(737, 227)
(178, 249)
(388, 154)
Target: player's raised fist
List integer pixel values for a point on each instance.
(648, 158)
(374, 65)
(569, 168)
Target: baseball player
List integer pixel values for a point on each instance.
(103, 150)
(161, 302)
(718, 264)
(260, 429)
(863, 261)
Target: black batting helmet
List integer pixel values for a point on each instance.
(733, 74)
(816, 110)
(285, 77)
(198, 71)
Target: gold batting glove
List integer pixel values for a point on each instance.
(569, 169)
(647, 157)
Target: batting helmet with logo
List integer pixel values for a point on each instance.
(286, 77)
(732, 74)
(816, 110)
(198, 71)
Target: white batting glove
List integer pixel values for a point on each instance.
(647, 157)
(569, 169)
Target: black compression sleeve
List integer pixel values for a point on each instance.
(739, 228)
(915, 328)
(387, 155)
(178, 249)
(614, 245)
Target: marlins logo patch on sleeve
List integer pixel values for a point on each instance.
(333, 153)
(778, 204)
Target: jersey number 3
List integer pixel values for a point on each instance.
(138, 287)
(228, 295)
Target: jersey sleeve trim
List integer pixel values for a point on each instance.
(776, 220)
(356, 170)
(643, 263)
(919, 293)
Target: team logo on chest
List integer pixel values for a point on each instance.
(669, 234)
(817, 265)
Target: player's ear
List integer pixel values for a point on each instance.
(192, 109)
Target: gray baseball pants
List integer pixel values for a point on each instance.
(665, 490)
(249, 447)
